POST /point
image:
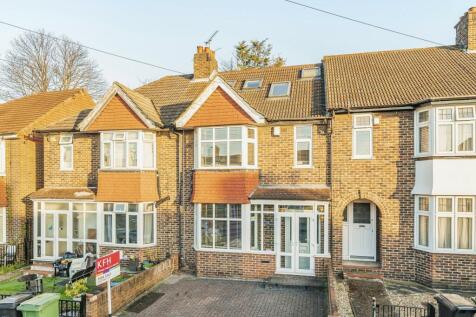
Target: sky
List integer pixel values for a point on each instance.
(166, 33)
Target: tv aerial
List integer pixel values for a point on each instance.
(209, 41)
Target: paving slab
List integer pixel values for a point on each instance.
(185, 295)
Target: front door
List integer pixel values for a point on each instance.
(295, 242)
(56, 234)
(362, 231)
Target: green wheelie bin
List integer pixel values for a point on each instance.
(43, 305)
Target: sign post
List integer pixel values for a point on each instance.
(107, 268)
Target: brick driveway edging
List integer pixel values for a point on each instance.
(130, 289)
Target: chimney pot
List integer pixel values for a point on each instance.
(199, 49)
(204, 63)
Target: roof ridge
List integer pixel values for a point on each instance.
(452, 47)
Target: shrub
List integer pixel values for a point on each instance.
(78, 287)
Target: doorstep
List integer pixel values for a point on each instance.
(362, 269)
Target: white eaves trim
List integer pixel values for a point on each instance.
(105, 100)
(215, 83)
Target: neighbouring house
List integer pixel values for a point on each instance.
(365, 162)
(21, 170)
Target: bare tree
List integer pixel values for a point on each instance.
(39, 62)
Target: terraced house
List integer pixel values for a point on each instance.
(21, 170)
(364, 162)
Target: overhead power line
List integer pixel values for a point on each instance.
(364, 23)
(92, 48)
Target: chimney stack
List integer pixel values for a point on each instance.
(204, 63)
(466, 31)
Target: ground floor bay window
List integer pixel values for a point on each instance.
(295, 232)
(81, 227)
(445, 224)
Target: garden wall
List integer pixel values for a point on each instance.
(129, 290)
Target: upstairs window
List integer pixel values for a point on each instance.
(311, 72)
(303, 146)
(128, 150)
(362, 136)
(455, 130)
(2, 158)
(252, 84)
(227, 147)
(423, 130)
(66, 152)
(280, 89)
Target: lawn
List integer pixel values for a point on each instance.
(12, 286)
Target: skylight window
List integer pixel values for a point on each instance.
(311, 72)
(280, 89)
(252, 84)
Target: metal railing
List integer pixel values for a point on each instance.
(9, 253)
(379, 310)
(73, 307)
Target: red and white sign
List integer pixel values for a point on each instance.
(108, 267)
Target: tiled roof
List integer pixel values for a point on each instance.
(291, 193)
(68, 124)
(400, 77)
(142, 102)
(64, 193)
(19, 113)
(173, 94)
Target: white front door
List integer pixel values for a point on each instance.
(296, 243)
(56, 234)
(361, 235)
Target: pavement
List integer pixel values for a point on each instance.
(185, 295)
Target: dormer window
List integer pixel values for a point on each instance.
(127, 150)
(66, 152)
(252, 84)
(280, 89)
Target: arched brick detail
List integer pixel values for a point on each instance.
(360, 195)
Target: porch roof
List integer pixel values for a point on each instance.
(292, 192)
(64, 193)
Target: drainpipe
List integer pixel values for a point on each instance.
(181, 178)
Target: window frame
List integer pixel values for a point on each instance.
(139, 222)
(64, 145)
(214, 219)
(419, 125)
(365, 128)
(288, 90)
(244, 147)
(303, 140)
(435, 214)
(262, 212)
(140, 142)
(260, 83)
(318, 72)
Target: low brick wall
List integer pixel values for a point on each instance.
(130, 289)
(321, 267)
(236, 265)
(331, 293)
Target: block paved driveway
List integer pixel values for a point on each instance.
(185, 295)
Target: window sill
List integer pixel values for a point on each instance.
(234, 251)
(303, 166)
(127, 169)
(133, 246)
(449, 252)
(66, 170)
(224, 168)
(356, 158)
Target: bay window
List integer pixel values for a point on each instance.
(66, 152)
(127, 150)
(128, 224)
(445, 223)
(227, 147)
(220, 226)
(303, 146)
(362, 136)
(445, 131)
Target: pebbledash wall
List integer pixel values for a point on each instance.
(275, 164)
(86, 164)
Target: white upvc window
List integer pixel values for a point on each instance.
(3, 225)
(227, 147)
(362, 140)
(127, 224)
(303, 146)
(220, 226)
(128, 150)
(66, 151)
(422, 141)
(445, 224)
(262, 227)
(2, 158)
